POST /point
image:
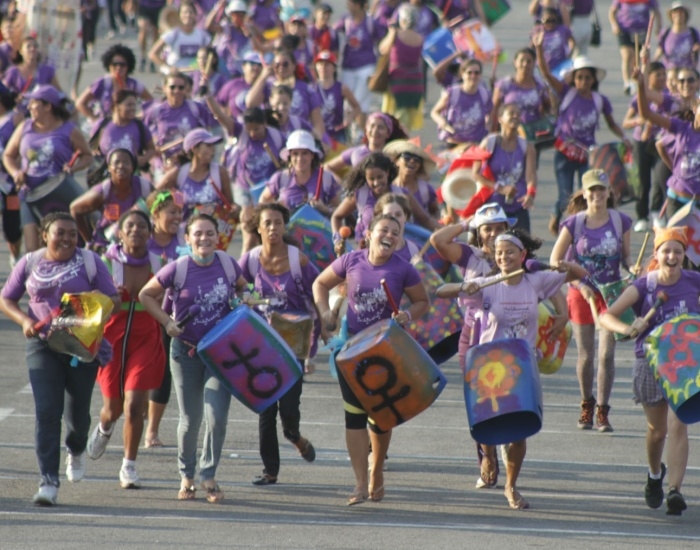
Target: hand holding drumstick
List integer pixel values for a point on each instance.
(401, 317)
(641, 323)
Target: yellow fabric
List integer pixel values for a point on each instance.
(410, 119)
(352, 409)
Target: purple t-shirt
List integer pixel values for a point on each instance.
(467, 114)
(305, 98)
(555, 45)
(294, 123)
(168, 123)
(50, 280)
(599, 250)
(677, 49)
(230, 45)
(251, 164)
(332, 108)
(666, 107)
(685, 156)
(284, 188)
(508, 167)
(113, 207)
(198, 192)
(126, 137)
(580, 119)
(529, 100)
(425, 195)
(359, 41)
(353, 156)
(633, 17)
(232, 95)
(510, 311)
(365, 201)
(103, 89)
(367, 301)
(167, 253)
(264, 17)
(44, 154)
(581, 7)
(205, 286)
(426, 22)
(682, 298)
(472, 263)
(14, 80)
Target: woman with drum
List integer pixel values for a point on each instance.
(11, 225)
(96, 102)
(364, 271)
(166, 213)
(462, 112)
(580, 108)
(599, 237)
(508, 309)
(511, 168)
(59, 388)
(208, 279)
(304, 177)
(680, 287)
(282, 274)
(42, 155)
(397, 206)
(138, 359)
(112, 198)
(28, 72)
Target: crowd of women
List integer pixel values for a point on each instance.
(152, 230)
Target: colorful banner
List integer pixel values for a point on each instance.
(312, 230)
(552, 350)
(609, 158)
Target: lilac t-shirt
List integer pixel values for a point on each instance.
(508, 167)
(232, 95)
(167, 253)
(467, 114)
(264, 17)
(510, 311)
(580, 119)
(126, 137)
(682, 298)
(359, 41)
(14, 80)
(685, 176)
(599, 250)
(365, 201)
(556, 45)
(355, 155)
(198, 192)
(103, 89)
(367, 301)
(50, 280)
(530, 100)
(677, 49)
(332, 108)
(44, 154)
(666, 107)
(284, 188)
(305, 98)
(168, 123)
(230, 45)
(205, 286)
(113, 207)
(294, 123)
(581, 7)
(633, 17)
(251, 164)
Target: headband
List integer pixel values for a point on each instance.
(384, 118)
(164, 196)
(511, 239)
(662, 235)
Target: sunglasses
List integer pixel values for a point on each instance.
(472, 73)
(282, 64)
(548, 21)
(408, 157)
(690, 80)
(118, 64)
(176, 87)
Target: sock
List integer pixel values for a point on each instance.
(108, 431)
(654, 476)
(126, 462)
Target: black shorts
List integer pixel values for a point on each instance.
(626, 39)
(149, 14)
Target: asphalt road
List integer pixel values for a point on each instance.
(585, 488)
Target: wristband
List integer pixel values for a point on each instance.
(336, 238)
(461, 287)
(408, 314)
(532, 191)
(465, 226)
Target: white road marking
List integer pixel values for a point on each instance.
(4, 413)
(26, 389)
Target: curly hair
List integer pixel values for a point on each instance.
(356, 178)
(122, 51)
(49, 219)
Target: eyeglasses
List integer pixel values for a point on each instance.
(176, 87)
(118, 64)
(282, 64)
(689, 80)
(408, 157)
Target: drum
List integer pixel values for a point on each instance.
(256, 191)
(313, 232)
(502, 392)
(390, 374)
(609, 157)
(475, 37)
(689, 216)
(672, 350)
(438, 46)
(54, 195)
(438, 330)
(539, 132)
(610, 293)
(250, 359)
(494, 10)
(552, 350)
(78, 327)
(420, 236)
(295, 329)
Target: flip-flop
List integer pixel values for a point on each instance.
(187, 492)
(214, 493)
(516, 500)
(357, 497)
(152, 442)
(376, 495)
(488, 479)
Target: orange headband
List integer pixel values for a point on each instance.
(661, 235)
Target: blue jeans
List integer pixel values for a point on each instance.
(565, 170)
(60, 390)
(199, 393)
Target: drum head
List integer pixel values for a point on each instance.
(45, 188)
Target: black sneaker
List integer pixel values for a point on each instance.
(654, 490)
(675, 503)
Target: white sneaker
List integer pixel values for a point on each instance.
(642, 226)
(47, 495)
(128, 478)
(75, 467)
(97, 443)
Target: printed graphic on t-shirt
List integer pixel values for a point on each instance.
(211, 302)
(369, 305)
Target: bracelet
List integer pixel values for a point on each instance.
(336, 238)
(408, 314)
(465, 226)
(461, 286)
(532, 191)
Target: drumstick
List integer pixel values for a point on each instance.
(257, 302)
(647, 41)
(594, 310)
(72, 160)
(319, 184)
(208, 64)
(661, 298)
(46, 320)
(389, 297)
(272, 156)
(447, 7)
(641, 252)
(171, 144)
(192, 312)
(424, 249)
(502, 278)
(636, 49)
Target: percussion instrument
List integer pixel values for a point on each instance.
(672, 349)
(295, 329)
(552, 350)
(256, 191)
(539, 132)
(313, 232)
(250, 359)
(689, 216)
(494, 10)
(609, 158)
(502, 392)
(475, 37)
(421, 236)
(390, 374)
(458, 188)
(438, 46)
(610, 293)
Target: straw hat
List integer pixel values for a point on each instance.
(582, 62)
(394, 148)
(458, 188)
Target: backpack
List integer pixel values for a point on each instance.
(33, 259)
(242, 141)
(145, 188)
(98, 170)
(579, 222)
(492, 140)
(213, 172)
(571, 95)
(181, 273)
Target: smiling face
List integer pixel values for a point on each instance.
(134, 233)
(670, 256)
(126, 110)
(395, 210)
(188, 17)
(175, 91)
(409, 164)
(204, 152)
(61, 239)
(283, 66)
(121, 166)
(687, 83)
(202, 237)
(118, 68)
(168, 219)
(251, 71)
(281, 103)
(271, 226)
(509, 257)
(524, 64)
(377, 132)
(384, 238)
(301, 159)
(39, 109)
(325, 69)
(510, 116)
(488, 233)
(377, 180)
(597, 196)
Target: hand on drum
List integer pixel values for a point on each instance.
(557, 326)
(402, 317)
(28, 328)
(637, 327)
(172, 329)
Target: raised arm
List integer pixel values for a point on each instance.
(444, 242)
(553, 81)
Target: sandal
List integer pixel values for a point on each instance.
(264, 479)
(152, 442)
(488, 478)
(187, 491)
(214, 493)
(376, 494)
(516, 500)
(357, 497)
(306, 449)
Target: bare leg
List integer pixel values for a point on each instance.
(606, 365)
(585, 343)
(657, 421)
(155, 415)
(111, 410)
(134, 405)
(627, 57)
(357, 442)
(677, 454)
(516, 455)
(380, 448)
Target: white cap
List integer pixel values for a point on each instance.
(491, 213)
(300, 139)
(236, 5)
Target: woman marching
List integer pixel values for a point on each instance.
(508, 309)
(206, 278)
(681, 287)
(363, 271)
(599, 236)
(138, 360)
(59, 388)
(283, 274)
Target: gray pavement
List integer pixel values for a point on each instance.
(585, 488)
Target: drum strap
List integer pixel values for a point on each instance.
(580, 222)
(33, 259)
